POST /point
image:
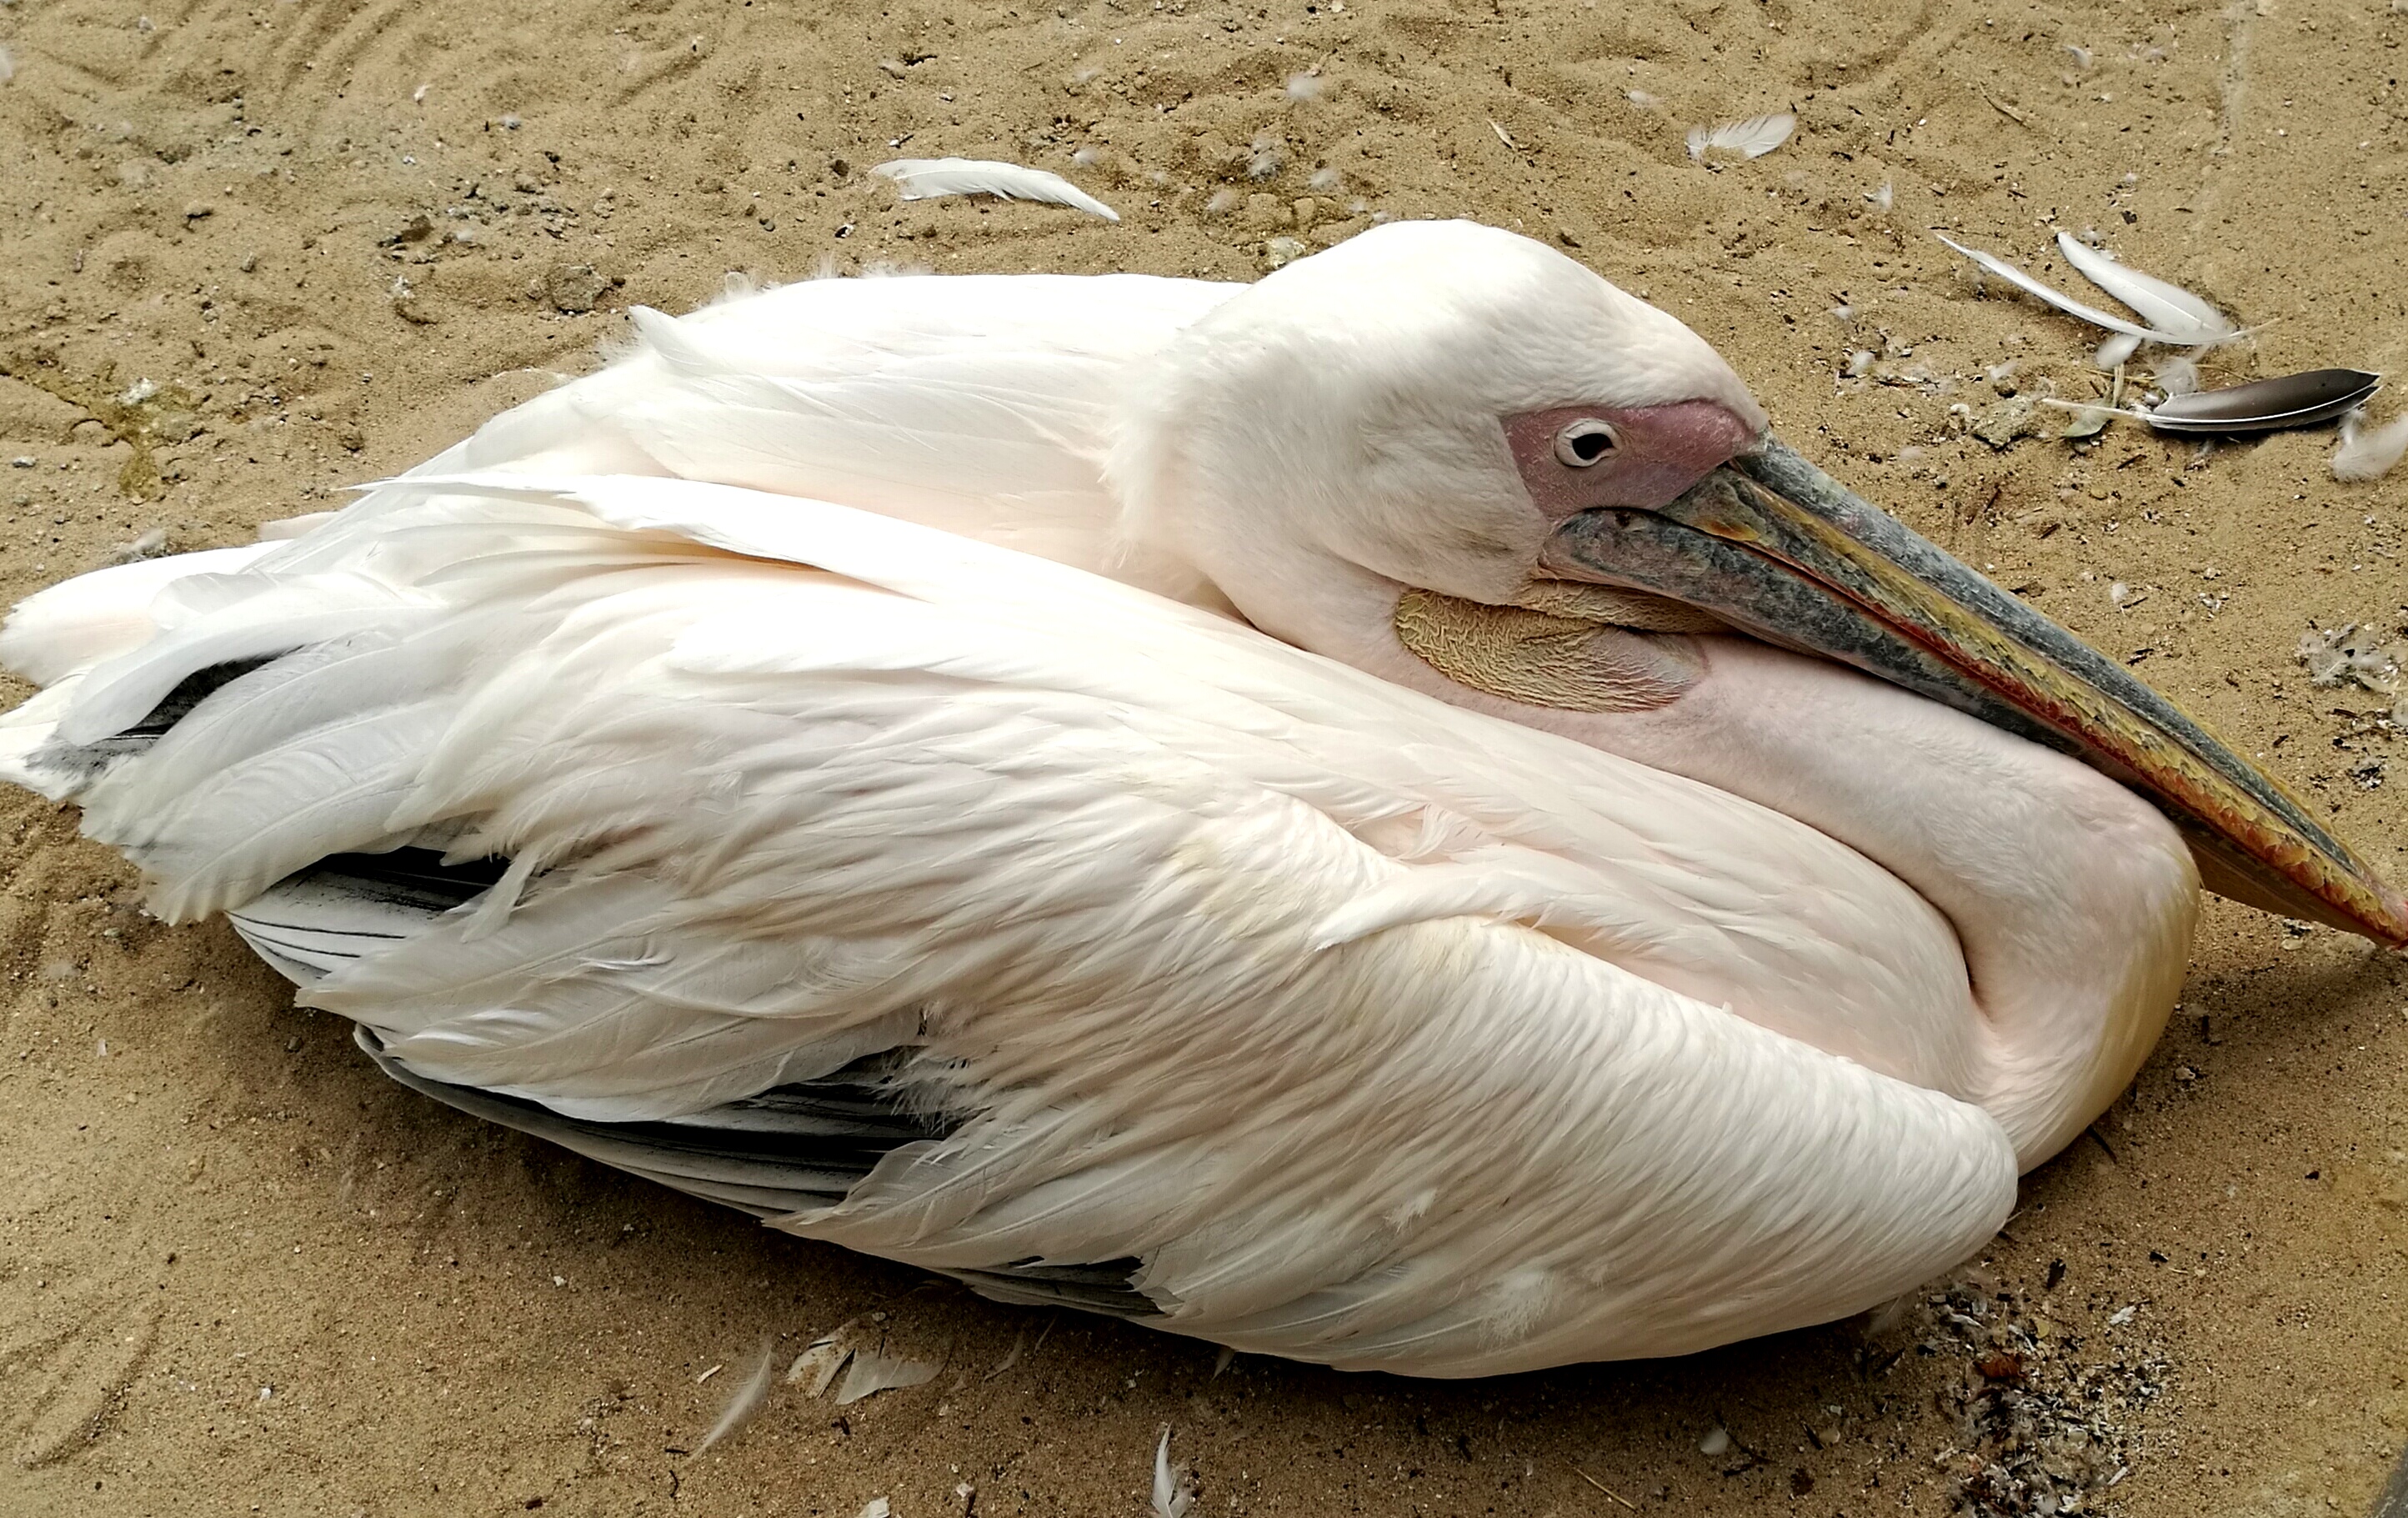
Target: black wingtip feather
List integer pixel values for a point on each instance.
(795, 1148)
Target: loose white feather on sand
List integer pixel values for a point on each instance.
(1172, 1497)
(1011, 1357)
(819, 1364)
(746, 1403)
(925, 179)
(2177, 376)
(2115, 350)
(2368, 453)
(1992, 264)
(2169, 307)
(2355, 654)
(1751, 138)
(871, 1373)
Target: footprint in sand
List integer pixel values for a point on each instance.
(71, 1353)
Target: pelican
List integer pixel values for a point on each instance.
(1376, 816)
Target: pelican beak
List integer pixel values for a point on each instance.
(1774, 546)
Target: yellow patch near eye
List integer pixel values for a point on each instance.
(1540, 658)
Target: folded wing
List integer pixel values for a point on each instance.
(980, 404)
(1224, 986)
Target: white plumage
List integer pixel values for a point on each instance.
(881, 868)
(1123, 895)
(1173, 1495)
(983, 405)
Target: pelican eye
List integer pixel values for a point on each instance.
(1585, 442)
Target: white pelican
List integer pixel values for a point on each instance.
(1658, 986)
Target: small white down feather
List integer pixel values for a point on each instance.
(925, 179)
(2368, 453)
(1751, 138)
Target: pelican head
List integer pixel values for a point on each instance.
(1443, 410)
(1428, 401)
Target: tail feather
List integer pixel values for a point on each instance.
(27, 735)
(82, 622)
(271, 617)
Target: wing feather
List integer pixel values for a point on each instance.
(2169, 307)
(1993, 263)
(980, 404)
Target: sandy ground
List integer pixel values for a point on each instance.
(238, 1271)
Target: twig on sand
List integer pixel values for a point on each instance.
(1607, 1490)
